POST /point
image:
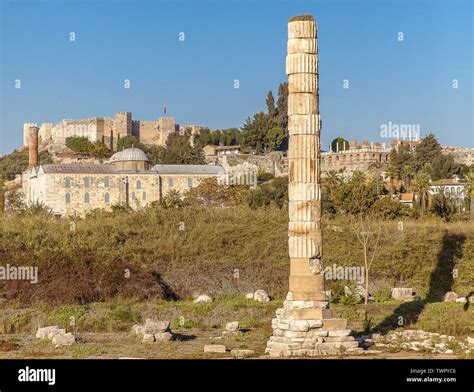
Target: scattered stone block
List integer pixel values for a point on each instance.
(450, 296)
(49, 332)
(64, 340)
(233, 326)
(403, 293)
(214, 348)
(138, 329)
(461, 300)
(261, 296)
(155, 326)
(249, 296)
(203, 299)
(148, 338)
(163, 337)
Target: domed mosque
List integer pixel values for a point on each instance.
(130, 159)
(74, 189)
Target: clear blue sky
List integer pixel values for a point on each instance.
(407, 82)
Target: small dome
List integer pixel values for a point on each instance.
(129, 154)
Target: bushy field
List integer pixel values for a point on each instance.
(176, 253)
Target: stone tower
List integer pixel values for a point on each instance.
(304, 326)
(123, 123)
(33, 147)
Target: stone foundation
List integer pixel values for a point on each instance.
(294, 335)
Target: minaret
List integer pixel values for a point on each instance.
(304, 325)
(33, 147)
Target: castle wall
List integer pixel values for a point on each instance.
(45, 132)
(92, 128)
(147, 132)
(101, 128)
(353, 160)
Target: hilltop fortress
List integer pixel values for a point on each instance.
(108, 129)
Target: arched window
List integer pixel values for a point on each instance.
(133, 196)
(67, 182)
(170, 182)
(68, 198)
(107, 182)
(87, 182)
(144, 195)
(139, 184)
(190, 182)
(87, 198)
(107, 197)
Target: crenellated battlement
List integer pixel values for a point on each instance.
(97, 128)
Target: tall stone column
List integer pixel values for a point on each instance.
(304, 326)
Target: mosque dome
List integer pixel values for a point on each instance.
(129, 154)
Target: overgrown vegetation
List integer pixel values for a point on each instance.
(17, 162)
(180, 252)
(83, 145)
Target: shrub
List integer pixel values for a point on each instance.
(382, 295)
(80, 144)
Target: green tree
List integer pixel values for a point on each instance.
(339, 144)
(273, 138)
(79, 144)
(442, 166)
(330, 183)
(99, 150)
(282, 106)
(271, 110)
(127, 142)
(421, 186)
(254, 132)
(406, 174)
(445, 206)
(172, 199)
(426, 151)
(155, 154)
(274, 192)
(394, 174)
(179, 150)
(357, 195)
(469, 177)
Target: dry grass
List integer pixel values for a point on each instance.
(89, 264)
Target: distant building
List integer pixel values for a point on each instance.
(127, 178)
(461, 155)
(218, 151)
(407, 199)
(109, 129)
(357, 157)
(451, 187)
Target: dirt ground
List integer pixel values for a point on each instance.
(185, 345)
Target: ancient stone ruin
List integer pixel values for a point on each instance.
(304, 326)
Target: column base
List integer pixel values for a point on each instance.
(303, 328)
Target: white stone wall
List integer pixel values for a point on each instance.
(144, 188)
(65, 129)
